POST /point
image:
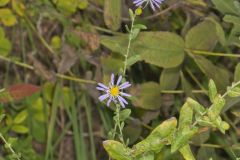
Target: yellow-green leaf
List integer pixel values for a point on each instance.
(7, 17)
(20, 129)
(20, 117)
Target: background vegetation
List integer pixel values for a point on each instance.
(66, 46)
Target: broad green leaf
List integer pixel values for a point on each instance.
(233, 38)
(7, 17)
(218, 75)
(216, 107)
(186, 152)
(186, 86)
(169, 78)
(155, 141)
(113, 14)
(237, 73)
(195, 39)
(111, 65)
(206, 153)
(212, 90)
(226, 7)
(148, 96)
(4, 2)
(198, 108)
(20, 117)
(117, 150)
(219, 31)
(20, 129)
(154, 47)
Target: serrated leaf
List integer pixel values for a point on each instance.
(169, 78)
(113, 13)
(117, 150)
(212, 90)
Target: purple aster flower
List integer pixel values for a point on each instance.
(114, 92)
(153, 3)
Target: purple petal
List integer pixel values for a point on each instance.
(112, 79)
(125, 94)
(125, 85)
(103, 97)
(100, 89)
(109, 101)
(152, 6)
(119, 80)
(121, 102)
(102, 85)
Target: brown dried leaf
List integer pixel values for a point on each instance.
(69, 58)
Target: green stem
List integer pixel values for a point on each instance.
(129, 44)
(213, 53)
(9, 146)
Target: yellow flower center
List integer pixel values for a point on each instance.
(114, 91)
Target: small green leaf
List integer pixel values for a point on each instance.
(20, 129)
(20, 117)
(124, 114)
(169, 78)
(7, 17)
(186, 115)
(117, 150)
(146, 156)
(186, 152)
(198, 108)
(133, 59)
(216, 107)
(212, 90)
